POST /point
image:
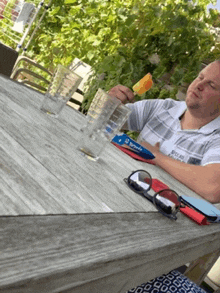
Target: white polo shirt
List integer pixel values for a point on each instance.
(158, 121)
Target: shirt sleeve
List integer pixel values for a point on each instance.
(142, 111)
(212, 155)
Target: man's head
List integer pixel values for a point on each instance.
(203, 94)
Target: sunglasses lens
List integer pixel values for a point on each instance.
(167, 202)
(140, 181)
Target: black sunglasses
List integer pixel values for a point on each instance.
(166, 201)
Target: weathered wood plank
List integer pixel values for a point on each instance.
(82, 253)
(41, 145)
(94, 250)
(11, 203)
(56, 166)
(29, 193)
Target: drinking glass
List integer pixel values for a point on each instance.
(63, 85)
(105, 118)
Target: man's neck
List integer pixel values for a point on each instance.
(188, 121)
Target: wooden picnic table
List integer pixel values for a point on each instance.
(69, 224)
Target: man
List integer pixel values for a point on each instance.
(183, 136)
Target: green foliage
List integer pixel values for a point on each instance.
(177, 31)
(118, 38)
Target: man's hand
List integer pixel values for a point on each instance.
(122, 93)
(153, 149)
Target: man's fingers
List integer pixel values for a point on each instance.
(122, 93)
(114, 92)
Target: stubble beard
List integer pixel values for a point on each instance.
(197, 106)
(194, 106)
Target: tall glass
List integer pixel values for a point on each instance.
(105, 118)
(63, 85)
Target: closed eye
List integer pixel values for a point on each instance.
(211, 85)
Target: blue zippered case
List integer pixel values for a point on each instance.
(125, 141)
(202, 206)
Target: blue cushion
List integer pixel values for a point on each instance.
(174, 282)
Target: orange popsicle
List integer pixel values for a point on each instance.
(143, 85)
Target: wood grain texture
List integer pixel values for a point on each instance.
(56, 178)
(68, 224)
(47, 174)
(82, 253)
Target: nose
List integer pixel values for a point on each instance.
(200, 87)
(201, 84)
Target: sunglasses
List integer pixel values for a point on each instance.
(166, 201)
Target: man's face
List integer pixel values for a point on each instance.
(203, 94)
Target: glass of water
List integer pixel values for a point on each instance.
(63, 85)
(105, 118)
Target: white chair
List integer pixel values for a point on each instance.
(32, 74)
(85, 71)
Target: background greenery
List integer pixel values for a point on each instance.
(123, 40)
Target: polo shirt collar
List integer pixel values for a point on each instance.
(211, 126)
(178, 109)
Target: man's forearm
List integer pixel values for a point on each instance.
(204, 180)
